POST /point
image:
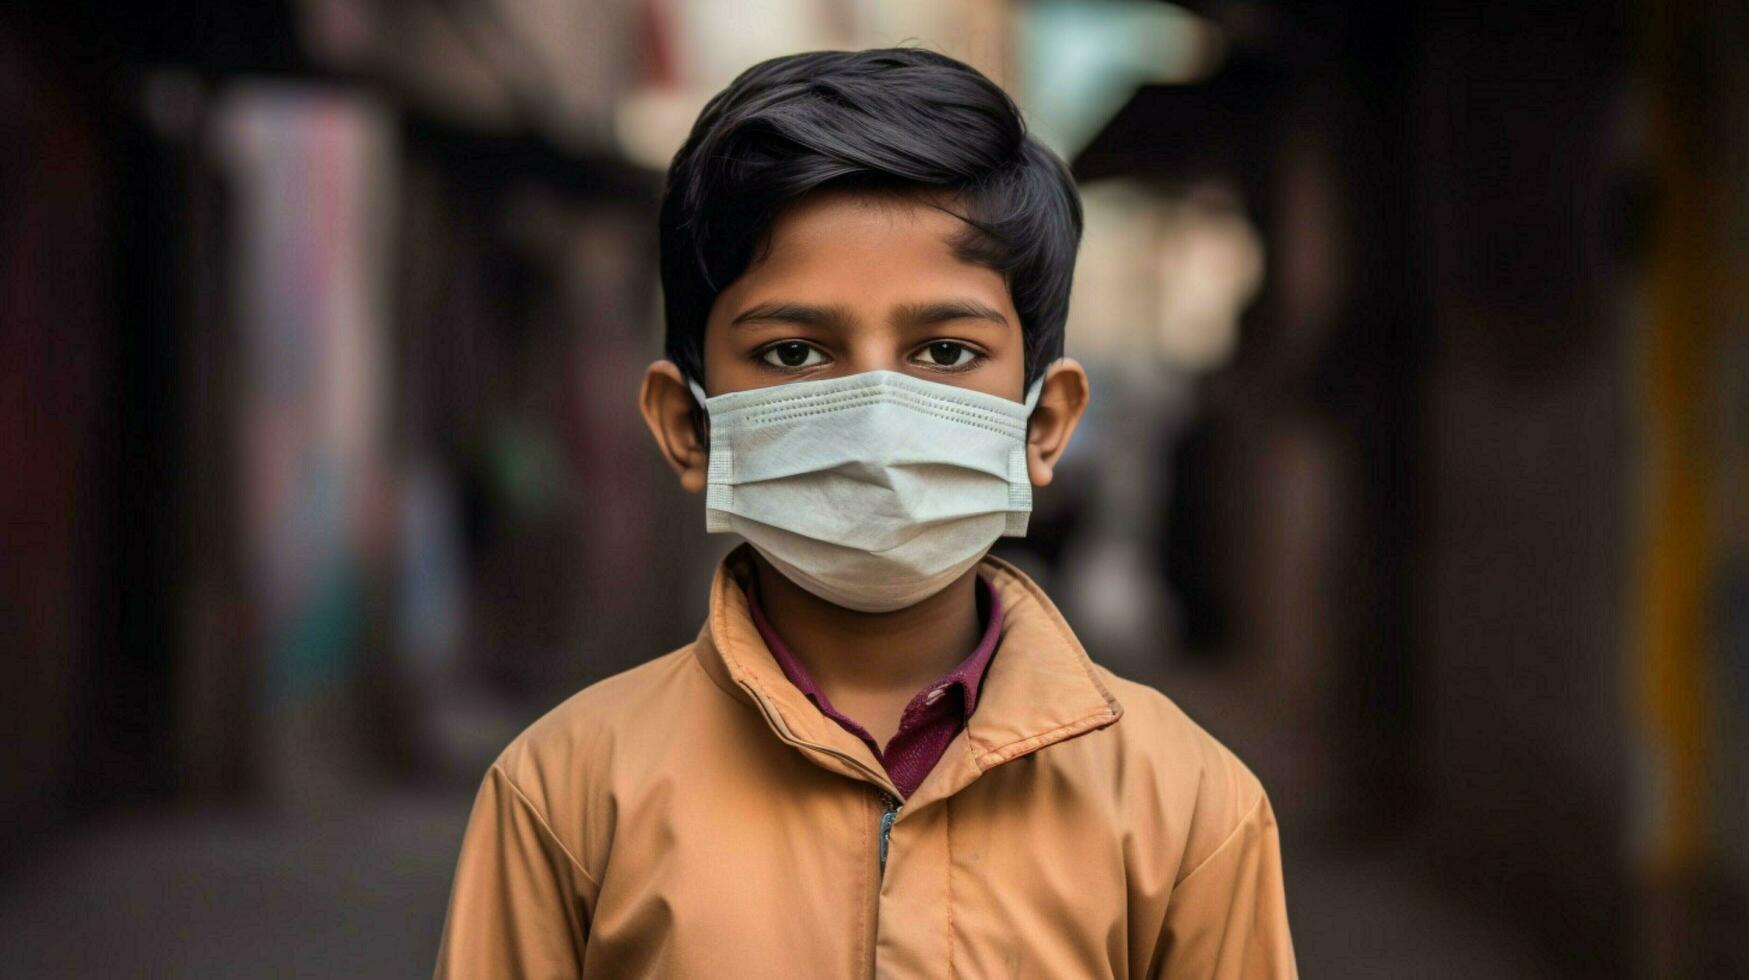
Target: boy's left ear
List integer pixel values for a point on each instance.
(1061, 403)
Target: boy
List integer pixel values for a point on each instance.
(885, 753)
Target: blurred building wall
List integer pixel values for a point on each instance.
(1522, 189)
(1690, 614)
(57, 540)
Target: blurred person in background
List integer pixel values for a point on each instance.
(886, 750)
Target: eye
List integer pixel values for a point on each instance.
(946, 354)
(792, 354)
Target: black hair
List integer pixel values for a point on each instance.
(884, 119)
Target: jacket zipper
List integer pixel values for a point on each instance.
(890, 804)
(889, 812)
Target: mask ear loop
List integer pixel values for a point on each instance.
(1038, 386)
(1019, 479)
(701, 416)
(719, 493)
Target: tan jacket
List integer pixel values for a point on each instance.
(698, 817)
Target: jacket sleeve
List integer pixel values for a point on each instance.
(517, 906)
(1227, 918)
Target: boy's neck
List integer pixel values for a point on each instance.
(854, 654)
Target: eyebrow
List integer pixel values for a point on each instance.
(910, 314)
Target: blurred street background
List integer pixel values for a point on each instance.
(1417, 470)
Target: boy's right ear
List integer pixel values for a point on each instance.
(672, 415)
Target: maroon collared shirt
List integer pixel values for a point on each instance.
(932, 718)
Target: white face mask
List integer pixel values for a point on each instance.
(873, 491)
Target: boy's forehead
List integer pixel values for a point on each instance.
(859, 242)
(840, 221)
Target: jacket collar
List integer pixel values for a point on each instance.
(1040, 689)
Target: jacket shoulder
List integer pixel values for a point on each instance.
(1205, 789)
(553, 760)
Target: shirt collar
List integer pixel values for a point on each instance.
(967, 676)
(1042, 690)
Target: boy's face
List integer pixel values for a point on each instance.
(855, 282)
